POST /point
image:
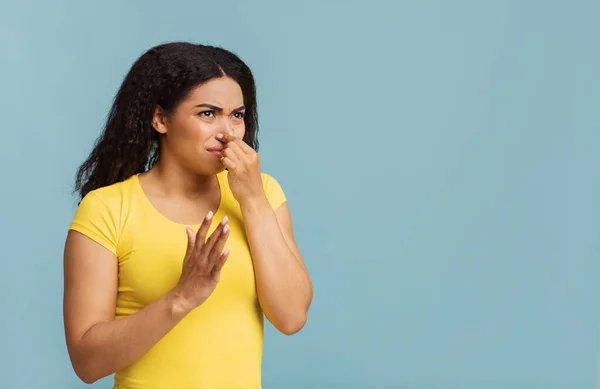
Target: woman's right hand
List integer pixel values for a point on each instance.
(202, 264)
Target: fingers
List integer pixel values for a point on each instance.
(221, 262)
(232, 158)
(203, 230)
(228, 163)
(237, 153)
(231, 140)
(217, 249)
(221, 228)
(245, 147)
(235, 147)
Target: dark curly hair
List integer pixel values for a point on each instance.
(163, 76)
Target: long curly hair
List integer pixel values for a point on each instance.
(163, 76)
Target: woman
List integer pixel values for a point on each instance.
(180, 243)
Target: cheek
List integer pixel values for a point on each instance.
(195, 131)
(240, 131)
(189, 138)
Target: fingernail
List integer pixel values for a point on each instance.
(225, 220)
(226, 252)
(226, 229)
(219, 136)
(209, 215)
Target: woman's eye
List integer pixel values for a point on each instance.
(207, 113)
(239, 115)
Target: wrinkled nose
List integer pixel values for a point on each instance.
(228, 128)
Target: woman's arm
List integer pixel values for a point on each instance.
(283, 284)
(98, 344)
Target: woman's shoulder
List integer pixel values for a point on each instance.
(273, 190)
(110, 196)
(267, 178)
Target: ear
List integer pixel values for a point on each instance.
(159, 120)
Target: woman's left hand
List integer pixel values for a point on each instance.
(243, 165)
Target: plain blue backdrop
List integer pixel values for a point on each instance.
(440, 159)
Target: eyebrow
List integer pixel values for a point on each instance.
(218, 109)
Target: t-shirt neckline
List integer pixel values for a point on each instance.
(221, 180)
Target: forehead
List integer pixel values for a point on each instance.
(222, 91)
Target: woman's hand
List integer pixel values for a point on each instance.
(202, 264)
(243, 165)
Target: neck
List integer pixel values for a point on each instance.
(170, 179)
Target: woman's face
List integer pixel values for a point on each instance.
(188, 134)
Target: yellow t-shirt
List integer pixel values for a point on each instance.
(219, 344)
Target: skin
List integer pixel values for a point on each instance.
(183, 187)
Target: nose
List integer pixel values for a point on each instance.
(228, 128)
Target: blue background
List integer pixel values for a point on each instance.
(440, 159)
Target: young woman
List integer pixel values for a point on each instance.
(180, 243)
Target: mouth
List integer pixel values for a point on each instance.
(217, 151)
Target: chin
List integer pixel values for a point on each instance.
(209, 169)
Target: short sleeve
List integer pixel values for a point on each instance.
(273, 190)
(97, 221)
